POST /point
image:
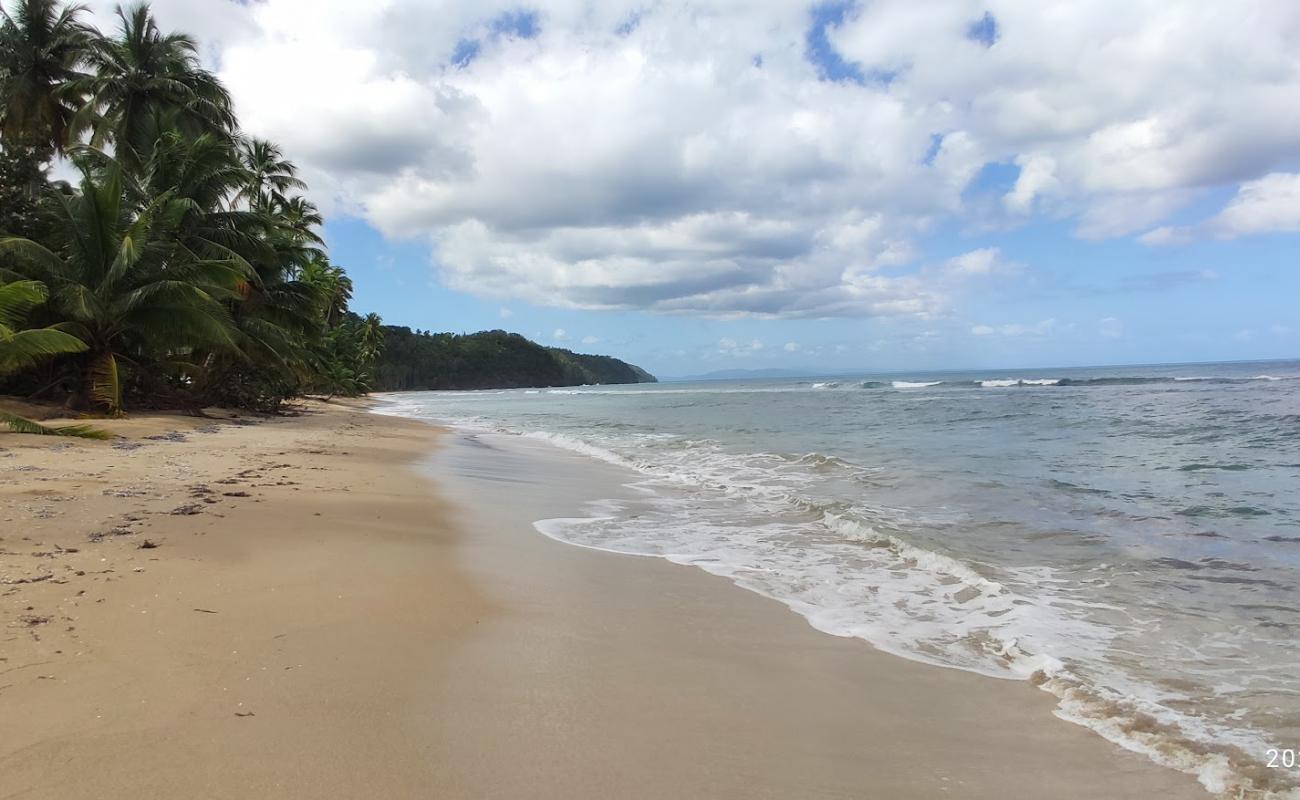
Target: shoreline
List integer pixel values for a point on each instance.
(880, 546)
(672, 666)
(405, 645)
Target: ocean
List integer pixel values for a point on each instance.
(1125, 538)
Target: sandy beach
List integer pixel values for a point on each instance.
(340, 604)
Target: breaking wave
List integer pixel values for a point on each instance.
(850, 571)
(1116, 380)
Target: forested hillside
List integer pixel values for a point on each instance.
(489, 360)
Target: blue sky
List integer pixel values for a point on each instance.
(1215, 301)
(863, 184)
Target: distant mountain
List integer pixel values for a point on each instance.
(750, 374)
(489, 360)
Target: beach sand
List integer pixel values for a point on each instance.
(346, 605)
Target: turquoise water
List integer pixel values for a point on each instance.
(1128, 539)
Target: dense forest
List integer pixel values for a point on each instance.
(489, 360)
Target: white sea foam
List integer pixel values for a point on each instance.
(849, 578)
(852, 570)
(999, 383)
(914, 384)
(579, 446)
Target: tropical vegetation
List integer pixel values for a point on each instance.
(179, 265)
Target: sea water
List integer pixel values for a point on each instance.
(1127, 539)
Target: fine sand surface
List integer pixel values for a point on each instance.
(314, 601)
(332, 612)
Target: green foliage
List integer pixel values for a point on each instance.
(22, 179)
(20, 349)
(42, 45)
(489, 360)
(23, 348)
(19, 424)
(140, 71)
(182, 270)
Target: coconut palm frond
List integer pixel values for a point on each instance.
(18, 424)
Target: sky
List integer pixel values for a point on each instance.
(736, 184)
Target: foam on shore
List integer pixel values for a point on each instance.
(852, 571)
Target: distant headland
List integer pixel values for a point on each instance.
(497, 359)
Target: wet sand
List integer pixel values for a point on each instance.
(347, 605)
(607, 675)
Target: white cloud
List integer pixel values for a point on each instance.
(731, 347)
(505, 313)
(1110, 327)
(1266, 205)
(792, 347)
(1167, 235)
(1041, 328)
(590, 339)
(560, 334)
(660, 165)
(1037, 177)
(1271, 203)
(979, 263)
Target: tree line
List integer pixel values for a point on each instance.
(180, 266)
(489, 360)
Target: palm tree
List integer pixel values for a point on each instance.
(271, 175)
(125, 286)
(143, 71)
(299, 218)
(20, 349)
(186, 266)
(372, 336)
(41, 50)
(332, 285)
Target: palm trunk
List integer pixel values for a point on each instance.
(101, 388)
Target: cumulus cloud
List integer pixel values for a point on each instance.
(792, 347)
(977, 263)
(560, 334)
(505, 313)
(589, 340)
(697, 158)
(1037, 177)
(1271, 203)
